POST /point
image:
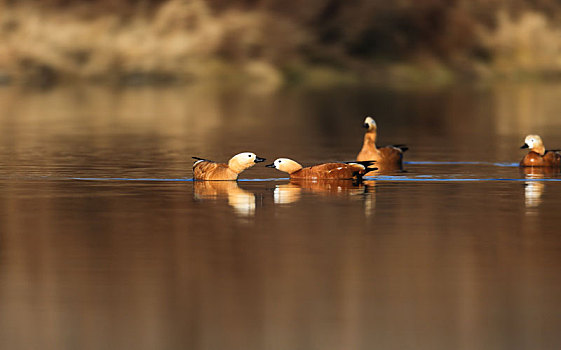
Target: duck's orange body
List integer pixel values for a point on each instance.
(330, 171)
(204, 169)
(550, 159)
(387, 158)
(208, 170)
(324, 171)
(538, 155)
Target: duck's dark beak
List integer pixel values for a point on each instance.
(524, 146)
(259, 160)
(366, 125)
(272, 165)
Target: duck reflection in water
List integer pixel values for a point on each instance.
(370, 198)
(241, 200)
(533, 190)
(292, 191)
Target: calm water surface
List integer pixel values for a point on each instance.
(106, 244)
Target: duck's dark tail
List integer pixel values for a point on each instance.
(368, 167)
(402, 148)
(199, 159)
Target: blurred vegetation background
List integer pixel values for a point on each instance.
(275, 42)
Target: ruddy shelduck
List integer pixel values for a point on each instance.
(351, 170)
(538, 155)
(204, 169)
(388, 157)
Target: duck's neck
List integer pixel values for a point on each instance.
(293, 167)
(539, 149)
(236, 166)
(370, 139)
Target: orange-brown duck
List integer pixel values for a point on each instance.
(351, 170)
(204, 169)
(387, 158)
(538, 155)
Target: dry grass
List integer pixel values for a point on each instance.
(271, 41)
(181, 40)
(527, 45)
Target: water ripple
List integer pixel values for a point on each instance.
(461, 163)
(420, 178)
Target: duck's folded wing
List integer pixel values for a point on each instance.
(203, 166)
(339, 170)
(326, 167)
(553, 156)
(390, 154)
(208, 170)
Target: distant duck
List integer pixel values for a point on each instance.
(538, 155)
(204, 169)
(388, 157)
(350, 170)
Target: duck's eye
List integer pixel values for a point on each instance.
(249, 155)
(280, 161)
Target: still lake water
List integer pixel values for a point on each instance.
(461, 251)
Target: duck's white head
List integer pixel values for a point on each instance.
(534, 143)
(285, 164)
(242, 161)
(369, 124)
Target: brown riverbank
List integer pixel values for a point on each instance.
(274, 42)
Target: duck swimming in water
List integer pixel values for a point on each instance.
(387, 158)
(204, 169)
(350, 170)
(538, 155)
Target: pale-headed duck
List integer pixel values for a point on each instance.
(351, 170)
(538, 155)
(204, 169)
